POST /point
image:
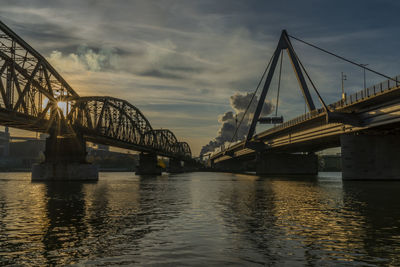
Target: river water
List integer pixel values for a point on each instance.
(199, 219)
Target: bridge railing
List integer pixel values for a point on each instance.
(353, 98)
(367, 92)
(297, 120)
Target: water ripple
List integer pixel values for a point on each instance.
(199, 219)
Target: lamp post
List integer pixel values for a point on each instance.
(236, 125)
(344, 78)
(364, 65)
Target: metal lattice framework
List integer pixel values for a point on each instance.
(29, 86)
(34, 96)
(111, 120)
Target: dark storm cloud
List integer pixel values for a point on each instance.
(159, 74)
(44, 32)
(184, 68)
(47, 32)
(173, 72)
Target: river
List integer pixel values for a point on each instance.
(199, 219)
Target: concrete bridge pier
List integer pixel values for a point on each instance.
(175, 166)
(234, 165)
(191, 165)
(65, 159)
(268, 163)
(370, 157)
(148, 164)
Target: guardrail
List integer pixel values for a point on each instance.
(368, 92)
(353, 98)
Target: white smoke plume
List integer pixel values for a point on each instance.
(231, 119)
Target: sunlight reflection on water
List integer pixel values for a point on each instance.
(199, 219)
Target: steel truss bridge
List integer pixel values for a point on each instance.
(35, 97)
(371, 111)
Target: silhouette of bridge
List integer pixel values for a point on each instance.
(35, 97)
(366, 125)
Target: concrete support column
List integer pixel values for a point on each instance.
(191, 166)
(148, 164)
(286, 163)
(235, 165)
(65, 159)
(370, 157)
(175, 166)
(60, 149)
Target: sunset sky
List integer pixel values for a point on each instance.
(180, 61)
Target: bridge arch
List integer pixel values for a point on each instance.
(28, 83)
(34, 96)
(117, 119)
(110, 117)
(165, 140)
(185, 149)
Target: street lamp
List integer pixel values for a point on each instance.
(364, 65)
(344, 78)
(236, 125)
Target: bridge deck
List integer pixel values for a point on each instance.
(376, 106)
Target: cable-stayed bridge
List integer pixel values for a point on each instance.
(366, 125)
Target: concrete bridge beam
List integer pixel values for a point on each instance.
(370, 157)
(285, 163)
(65, 159)
(148, 164)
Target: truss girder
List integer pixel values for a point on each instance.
(29, 85)
(117, 119)
(31, 89)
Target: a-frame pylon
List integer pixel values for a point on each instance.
(284, 44)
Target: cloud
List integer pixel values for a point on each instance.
(178, 52)
(85, 59)
(239, 119)
(160, 74)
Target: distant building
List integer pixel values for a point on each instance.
(19, 153)
(27, 149)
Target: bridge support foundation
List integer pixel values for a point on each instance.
(148, 164)
(175, 166)
(286, 163)
(65, 160)
(191, 166)
(370, 157)
(234, 165)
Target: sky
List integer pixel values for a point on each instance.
(180, 62)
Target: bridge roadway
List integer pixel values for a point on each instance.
(372, 111)
(35, 97)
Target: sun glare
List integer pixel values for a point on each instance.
(63, 106)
